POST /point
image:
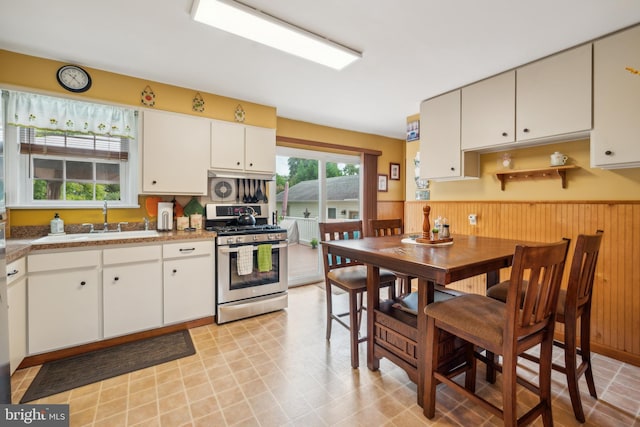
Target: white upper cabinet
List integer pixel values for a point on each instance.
(440, 154)
(488, 112)
(242, 148)
(616, 101)
(553, 95)
(175, 153)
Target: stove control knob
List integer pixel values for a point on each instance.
(239, 240)
(229, 240)
(255, 238)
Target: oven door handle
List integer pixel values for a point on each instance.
(228, 250)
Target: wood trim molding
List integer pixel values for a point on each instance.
(370, 190)
(39, 359)
(302, 143)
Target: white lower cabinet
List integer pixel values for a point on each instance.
(132, 289)
(17, 298)
(63, 299)
(85, 295)
(188, 273)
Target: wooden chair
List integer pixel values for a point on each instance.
(507, 329)
(391, 227)
(350, 276)
(573, 303)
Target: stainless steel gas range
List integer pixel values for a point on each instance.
(251, 263)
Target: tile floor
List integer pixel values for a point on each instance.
(277, 369)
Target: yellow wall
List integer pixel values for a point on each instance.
(39, 75)
(584, 183)
(412, 148)
(392, 149)
(33, 73)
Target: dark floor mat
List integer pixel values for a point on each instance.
(72, 372)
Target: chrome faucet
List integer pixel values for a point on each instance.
(104, 212)
(146, 223)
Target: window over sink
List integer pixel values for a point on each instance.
(67, 153)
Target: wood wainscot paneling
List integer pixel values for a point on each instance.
(615, 313)
(390, 210)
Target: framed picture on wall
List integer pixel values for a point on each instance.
(394, 171)
(413, 131)
(383, 182)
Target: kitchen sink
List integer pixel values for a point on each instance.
(85, 237)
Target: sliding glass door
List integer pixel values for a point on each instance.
(312, 187)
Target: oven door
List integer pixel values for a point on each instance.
(235, 287)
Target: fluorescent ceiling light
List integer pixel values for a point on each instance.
(254, 25)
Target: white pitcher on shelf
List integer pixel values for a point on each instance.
(558, 159)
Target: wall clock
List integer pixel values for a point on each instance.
(73, 78)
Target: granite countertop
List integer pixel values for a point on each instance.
(17, 248)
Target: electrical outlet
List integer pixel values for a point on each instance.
(473, 219)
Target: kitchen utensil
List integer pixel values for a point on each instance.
(259, 195)
(165, 216)
(238, 190)
(264, 195)
(246, 217)
(245, 198)
(254, 199)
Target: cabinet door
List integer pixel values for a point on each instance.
(489, 112)
(132, 297)
(63, 309)
(553, 95)
(175, 153)
(440, 155)
(227, 145)
(260, 149)
(17, 298)
(188, 288)
(616, 101)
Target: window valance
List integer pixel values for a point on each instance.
(66, 115)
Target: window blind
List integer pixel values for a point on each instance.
(43, 142)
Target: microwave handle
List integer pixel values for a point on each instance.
(228, 250)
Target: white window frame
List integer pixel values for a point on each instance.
(19, 185)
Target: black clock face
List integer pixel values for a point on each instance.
(74, 78)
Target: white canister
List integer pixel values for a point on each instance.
(558, 159)
(196, 221)
(182, 222)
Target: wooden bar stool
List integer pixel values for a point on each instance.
(526, 320)
(574, 304)
(350, 276)
(391, 227)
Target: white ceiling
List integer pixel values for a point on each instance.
(412, 49)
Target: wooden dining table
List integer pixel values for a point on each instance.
(400, 336)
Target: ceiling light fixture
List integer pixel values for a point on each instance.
(255, 25)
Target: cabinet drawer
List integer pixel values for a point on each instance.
(16, 270)
(133, 254)
(187, 249)
(63, 260)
